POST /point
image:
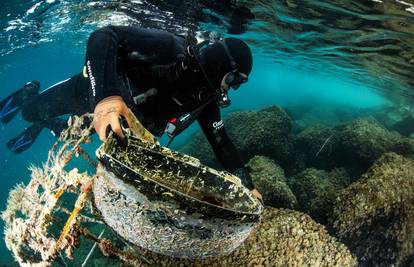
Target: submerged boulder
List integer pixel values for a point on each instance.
(316, 191)
(404, 146)
(317, 142)
(270, 180)
(363, 141)
(265, 132)
(354, 145)
(284, 238)
(374, 215)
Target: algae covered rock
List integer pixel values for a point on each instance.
(365, 140)
(374, 215)
(270, 180)
(284, 238)
(316, 191)
(265, 132)
(317, 142)
(404, 146)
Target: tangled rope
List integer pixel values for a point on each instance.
(33, 209)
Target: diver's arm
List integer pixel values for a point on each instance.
(213, 127)
(109, 51)
(101, 65)
(107, 54)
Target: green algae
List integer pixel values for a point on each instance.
(270, 180)
(374, 215)
(316, 191)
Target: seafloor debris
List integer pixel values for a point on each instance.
(169, 203)
(39, 225)
(32, 209)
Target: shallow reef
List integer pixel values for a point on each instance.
(270, 180)
(362, 141)
(374, 215)
(354, 145)
(365, 140)
(265, 132)
(284, 238)
(316, 191)
(353, 178)
(317, 143)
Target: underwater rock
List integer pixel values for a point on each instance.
(404, 146)
(316, 191)
(270, 180)
(362, 141)
(317, 142)
(354, 145)
(284, 238)
(405, 126)
(265, 132)
(374, 216)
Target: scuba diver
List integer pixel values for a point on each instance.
(167, 81)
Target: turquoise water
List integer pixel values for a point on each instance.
(300, 57)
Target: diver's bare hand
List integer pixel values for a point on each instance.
(107, 114)
(257, 194)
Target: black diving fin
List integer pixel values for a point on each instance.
(26, 139)
(10, 106)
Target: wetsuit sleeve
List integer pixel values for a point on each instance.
(224, 149)
(107, 55)
(101, 65)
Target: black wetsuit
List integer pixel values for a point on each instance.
(128, 61)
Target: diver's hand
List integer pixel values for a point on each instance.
(107, 114)
(257, 194)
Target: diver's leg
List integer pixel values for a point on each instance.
(67, 97)
(10, 106)
(43, 110)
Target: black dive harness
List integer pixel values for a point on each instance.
(177, 125)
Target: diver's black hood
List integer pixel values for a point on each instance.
(216, 62)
